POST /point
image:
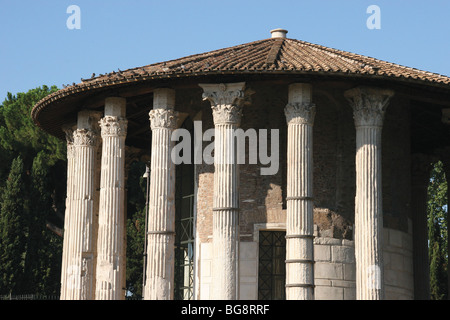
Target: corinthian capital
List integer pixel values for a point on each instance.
(369, 105)
(163, 118)
(226, 101)
(85, 137)
(300, 113)
(113, 126)
(68, 131)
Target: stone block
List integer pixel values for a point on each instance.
(206, 268)
(408, 264)
(322, 253)
(407, 242)
(248, 250)
(342, 254)
(343, 284)
(206, 250)
(350, 293)
(349, 271)
(322, 282)
(327, 270)
(395, 238)
(392, 278)
(396, 262)
(328, 293)
(248, 291)
(327, 241)
(348, 243)
(247, 268)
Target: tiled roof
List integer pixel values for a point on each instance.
(273, 55)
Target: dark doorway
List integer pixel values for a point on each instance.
(272, 268)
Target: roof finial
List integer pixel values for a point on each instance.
(278, 33)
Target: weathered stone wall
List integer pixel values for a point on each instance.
(334, 268)
(262, 198)
(398, 264)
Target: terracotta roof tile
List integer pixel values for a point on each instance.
(262, 56)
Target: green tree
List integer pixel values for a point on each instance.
(437, 228)
(27, 211)
(20, 135)
(136, 228)
(12, 232)
(43, 246)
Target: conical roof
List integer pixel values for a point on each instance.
(272, 56)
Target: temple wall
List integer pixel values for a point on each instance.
(398, 264)
(334, 269)
(262, 198)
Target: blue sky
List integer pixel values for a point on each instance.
(37, 48)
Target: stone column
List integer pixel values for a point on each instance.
(227, 102)
(159, 282)
(421, 165)
(369, 105)
(111, 231)
(300, 112)
(68, 130)
(82, 220)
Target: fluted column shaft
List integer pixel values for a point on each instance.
(67, 216)
(369, 105)
(159, 282)
(110, 244)
(421, 166)
(300, 114)
(226, 101)
(79, 264)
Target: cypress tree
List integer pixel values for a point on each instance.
(30, 254)
(13, 232)
(43, 249)
(135, 228)
(437, 232)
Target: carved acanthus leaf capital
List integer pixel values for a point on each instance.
(70, 151)
(300, 113)
(68, 131)
(113, 126)
(163, 118)
(227, 114)
(226, 101)
(369, 105)
(85, 137)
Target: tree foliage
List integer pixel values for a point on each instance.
(32, 175)
(13, 233)
(33, 185)
(136, 229)
(437, 232)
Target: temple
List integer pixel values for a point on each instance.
(342, 215)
